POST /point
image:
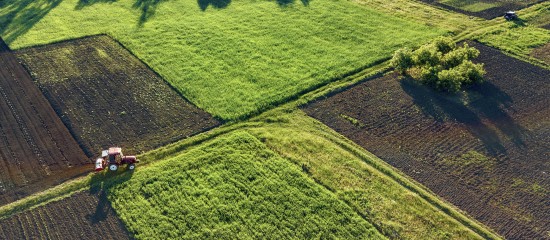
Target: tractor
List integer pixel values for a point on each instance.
(114, 158)
(511, 16)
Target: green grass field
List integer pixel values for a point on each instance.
(233, 187)
(397, 207)
(232, 59)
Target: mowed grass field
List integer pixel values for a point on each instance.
(230, 58)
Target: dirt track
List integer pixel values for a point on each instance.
(36, 149)
(486, 152)
(81, 216)
(106, 96)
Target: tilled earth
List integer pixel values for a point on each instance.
(502, 7)
(485, 150)
(84, 215)
(106, 96)
(36, 149)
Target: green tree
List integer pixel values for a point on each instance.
(440, 64)
(402, 59)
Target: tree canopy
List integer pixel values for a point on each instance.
(440, 64)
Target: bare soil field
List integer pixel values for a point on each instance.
(487, 9)
(84, 215)
(485, 150)
(36, 149)
(106, 96)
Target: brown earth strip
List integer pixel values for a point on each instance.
(36, 149)
(486, 150)
(84, 215)
(490, 13)
(106, 96)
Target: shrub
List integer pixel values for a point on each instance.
(428, 75)
(450, 80)
(444, 44)
(473, 72)
(426, 55)
(440, 64)
(402, 59)
(456, 56)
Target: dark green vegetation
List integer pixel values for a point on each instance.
(440, 64)
(233, 187)
(236, 59)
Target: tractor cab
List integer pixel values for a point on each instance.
(510, 16)
(113, 157)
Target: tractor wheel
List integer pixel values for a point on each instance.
(113, 167)
(132, 166)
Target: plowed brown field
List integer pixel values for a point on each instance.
(106, 96)
(81, 216)
(499, 7)
(486, 150)
(36, 149)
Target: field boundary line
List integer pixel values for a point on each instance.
(403, 180)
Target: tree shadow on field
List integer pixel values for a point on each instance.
(480, 105)
(85, 3)
(203, 4)
(100, 185)
(284, 3)
(19, 16)
(148, 9)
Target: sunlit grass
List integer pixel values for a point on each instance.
(235, 59)
(233, 187)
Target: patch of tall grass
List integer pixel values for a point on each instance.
(233, 187)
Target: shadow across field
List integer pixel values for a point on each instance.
(21, 15)
(85, 3)
(485, 101)
(100, 186)
(203, 4)
(284, 3)
(83, 215)
(147, 8)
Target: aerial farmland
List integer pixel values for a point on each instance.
(284, 119)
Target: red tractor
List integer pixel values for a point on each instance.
(114, 158)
